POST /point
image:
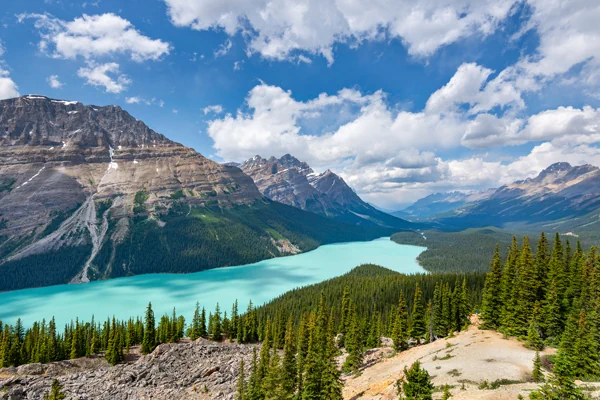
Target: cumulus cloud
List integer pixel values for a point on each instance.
(278, 28)
(8, 88)
(54, 82)
(561, 125)
(100, 75)
(95, 36)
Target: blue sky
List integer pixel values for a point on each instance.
(402, 98)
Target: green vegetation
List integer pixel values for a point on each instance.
(455, 251)
(209, 237)
(58, 267)
(373, 288)
(415, 384)
(212, 237)
(468, 250)
(549, 298)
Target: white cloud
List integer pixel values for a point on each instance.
(373, 132)
(175, 111)
(224, 48)
(98, 75)
(563, 124)
(217, 109)
(8, 88)
(161, 103)
(133, 100)
(54, 82)
(95, 36)
(1, 49)
(278, 28)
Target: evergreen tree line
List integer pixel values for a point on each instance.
(548, 297)
(374, 289)
(297, 357)
(43, 342)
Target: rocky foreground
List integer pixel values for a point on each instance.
(186, 370)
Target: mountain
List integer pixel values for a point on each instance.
(438, 203)
(562, 196)
(290, 181)
(90, 192)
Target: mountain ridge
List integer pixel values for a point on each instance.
(90, 192)
(293, 182)
(562, 195)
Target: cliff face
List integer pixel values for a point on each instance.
(68, 172)
(293, 182)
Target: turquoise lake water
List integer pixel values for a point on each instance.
(259, 282)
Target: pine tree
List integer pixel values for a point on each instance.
(509, 277)
(416, 383)
(254, 388)
(332, 384)
(526, 289)
(534, 340)
(552, 317)
(354, 345)
(344, 316)
(195, 328)
(400, 329)
(418, 328)
(272, 384)
(265, 351)
(149, 342)
(491, 304)
(289, 367)
(241, 383)
(374, 338)
(217, 332)
(537, 374)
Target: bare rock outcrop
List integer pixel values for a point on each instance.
(187, 370)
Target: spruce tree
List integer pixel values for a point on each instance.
(526, 289)
(400, 329)
(289, 367)
(272, 383)
(491, 306)
(509, 277)
(534, 341)
(418, 328)
(537, 375)
(195, 328)
(354, 345)
(149, 342)
(241, 383)
(254, 388)
(344, 316)
(416, 383)
(217, 331)
(332, 384)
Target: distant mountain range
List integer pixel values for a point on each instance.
(438, 203)
(562, 197)
(290, 181)
(90, 192)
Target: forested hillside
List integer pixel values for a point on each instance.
(469, 250)
(189, 239)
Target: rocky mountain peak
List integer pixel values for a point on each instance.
(37, 120)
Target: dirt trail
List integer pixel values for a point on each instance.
(470, 357)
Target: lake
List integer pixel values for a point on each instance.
(259, 282)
